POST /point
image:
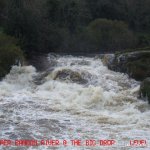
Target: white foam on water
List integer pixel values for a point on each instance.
(106, 107)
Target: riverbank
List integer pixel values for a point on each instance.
(135, 64)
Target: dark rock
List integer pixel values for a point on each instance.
(40, 78)
(135, 64)
(41, 62)
(108, 60)
(145, 89)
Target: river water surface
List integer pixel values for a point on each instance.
(76, 98)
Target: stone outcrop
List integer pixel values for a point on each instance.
(135, 64)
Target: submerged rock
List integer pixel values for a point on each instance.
(73, 76)
(145, 89)
(82, 63)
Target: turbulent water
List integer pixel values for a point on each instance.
(76, 98)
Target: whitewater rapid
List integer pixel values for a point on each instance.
(75, 98)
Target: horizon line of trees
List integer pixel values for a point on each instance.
(71, 26)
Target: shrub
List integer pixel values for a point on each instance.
(110, 35)
(10, 53)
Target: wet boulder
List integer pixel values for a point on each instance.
(73, 76)
(108, 60)
(40, 78)
(42, 62)
(135, 64)
(145, 89)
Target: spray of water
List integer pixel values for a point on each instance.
(77, 98)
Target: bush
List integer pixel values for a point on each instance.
(110, 35)
(10, 53)
(143, 39)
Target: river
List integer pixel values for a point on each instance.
(75, 98)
